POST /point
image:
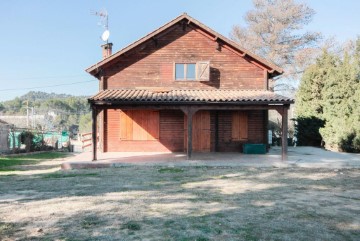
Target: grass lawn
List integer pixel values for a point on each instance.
(12, 163)
(182, 203)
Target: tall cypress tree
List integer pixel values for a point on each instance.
(336, 93)
(309, 98)
(330, 91)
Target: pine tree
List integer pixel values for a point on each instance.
(275, 30)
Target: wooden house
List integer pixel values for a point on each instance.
(183, 88)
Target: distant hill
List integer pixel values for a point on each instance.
(39, 95)
(61, 111)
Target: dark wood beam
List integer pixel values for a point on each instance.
(218, 48)
(189, 112)
(155, 40)
(228, 106)
(94, 132)
(189, 135)
(216, 131)
(184, 26)
(266, 130)
(284, 146)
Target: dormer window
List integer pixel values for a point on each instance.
(199, 71)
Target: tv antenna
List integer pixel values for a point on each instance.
(104, 22)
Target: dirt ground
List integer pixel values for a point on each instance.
(137, 202)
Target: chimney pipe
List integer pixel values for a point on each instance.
(106, 50)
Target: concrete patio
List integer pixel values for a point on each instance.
(297, 156)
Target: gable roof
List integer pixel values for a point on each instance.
(273, 69)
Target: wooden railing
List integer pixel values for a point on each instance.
(86, 139)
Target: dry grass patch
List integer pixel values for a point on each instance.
(182, 203)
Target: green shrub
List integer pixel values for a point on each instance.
(307, 131)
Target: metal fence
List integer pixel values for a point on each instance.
(10, 140)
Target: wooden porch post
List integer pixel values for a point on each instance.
(94, 131)
(189, 112)
(284, 145)
(189, 134)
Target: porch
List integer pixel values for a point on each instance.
(114, 159)
(309, 157)
(198, 124)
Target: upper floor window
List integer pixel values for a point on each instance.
(185, 71)
(192, 71)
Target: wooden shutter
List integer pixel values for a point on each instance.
(126, 125)
(235, 130)
(153, 125)
(239, 125)
(140, 125)
(243, 126)
(203, 71)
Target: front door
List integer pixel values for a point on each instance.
(200, 131)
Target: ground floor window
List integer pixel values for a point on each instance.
(141, 125)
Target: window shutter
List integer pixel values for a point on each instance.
(126, 128)
(235, 130)
(139, 125)
(203, 71)
(153, 125)
(243, 126)
(239, 129)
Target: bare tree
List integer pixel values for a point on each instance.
(275, 30)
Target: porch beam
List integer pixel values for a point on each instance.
(284, 146)
(94, 132)
(197, 107)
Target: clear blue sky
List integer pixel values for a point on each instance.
(52, 42)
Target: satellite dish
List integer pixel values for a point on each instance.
(105, 35)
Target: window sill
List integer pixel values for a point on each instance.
(188, 80)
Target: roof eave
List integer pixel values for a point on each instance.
(164, 103)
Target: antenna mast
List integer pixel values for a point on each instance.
(104, 22)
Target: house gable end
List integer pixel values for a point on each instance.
(186, 21)
(152, 64)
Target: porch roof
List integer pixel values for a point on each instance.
(188, 96)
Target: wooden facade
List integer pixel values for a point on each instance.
(143, 106)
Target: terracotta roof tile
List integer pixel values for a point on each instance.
(188, 96)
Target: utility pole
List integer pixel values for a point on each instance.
(27, 113)
(32, 118)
